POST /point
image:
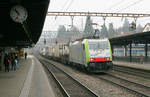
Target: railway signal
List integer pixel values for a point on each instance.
(133, 25)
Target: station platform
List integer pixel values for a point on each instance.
(144, 66)
(29, 80)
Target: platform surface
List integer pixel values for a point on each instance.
(29, 80)
(144, 66)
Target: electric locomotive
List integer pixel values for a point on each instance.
(91, 54)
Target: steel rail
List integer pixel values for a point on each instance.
(128, 70)
(74, 80)
(123, 86)
(64, 92)
(144, 86)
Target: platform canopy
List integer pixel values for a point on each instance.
(26, 33)
(137, 38)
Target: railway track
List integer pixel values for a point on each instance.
(132, 71)
(137, 88)
(68, 85)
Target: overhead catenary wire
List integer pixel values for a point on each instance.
(69, 5)
(64, 5)
(130, 5)
(114, 5)
(145, 20)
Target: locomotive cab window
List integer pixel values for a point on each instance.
(98, 45)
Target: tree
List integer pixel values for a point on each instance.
(116, 32)
(88, 30)
(119, 30)
(97, 32)
(111, 30)
(73, 32)
(126, 26)
(61, 31)
(139, 28)
(104, 31)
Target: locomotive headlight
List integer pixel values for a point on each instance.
(107, 59)
(92, 59)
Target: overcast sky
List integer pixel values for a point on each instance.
(121, 6)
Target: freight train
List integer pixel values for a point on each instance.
(90, 54)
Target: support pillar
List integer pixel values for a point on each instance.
(2, 60)
(146, 49)
(130, 52)
(112, 49)
(72, 18)
(125, 53)
(104, 19)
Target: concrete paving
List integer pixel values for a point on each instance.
(40, 85)
(11, 83)
(134, 65)
(29, 80)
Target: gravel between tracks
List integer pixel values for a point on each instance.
(132, 78)
(102, 88)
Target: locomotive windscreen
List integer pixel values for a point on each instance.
(98, 45)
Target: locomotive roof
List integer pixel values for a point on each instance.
(97, 39)
(92, 40)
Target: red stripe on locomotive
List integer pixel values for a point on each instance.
(100, 59)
